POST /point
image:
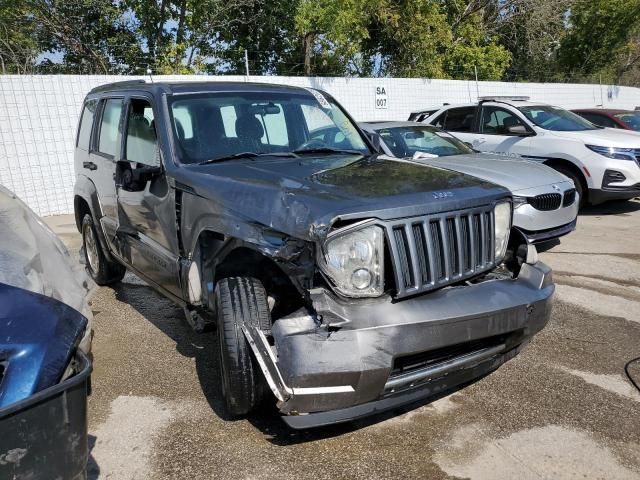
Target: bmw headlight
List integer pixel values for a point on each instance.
(354, 261)
(518, 201)
(614, 152)
(502, 215)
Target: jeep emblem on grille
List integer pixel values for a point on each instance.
(438, 195)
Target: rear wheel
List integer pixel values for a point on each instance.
(578, 181)
(103, 271)
(240, 300)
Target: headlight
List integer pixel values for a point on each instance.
(519, 201)
(613, 152)
(354, 261)
(502, 215)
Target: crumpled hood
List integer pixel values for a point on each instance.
(606, 137)
(302, 197)
(513, 174)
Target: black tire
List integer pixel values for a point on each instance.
(103, 271)
(578, 181)
(240, 300)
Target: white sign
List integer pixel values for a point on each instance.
(381, 97)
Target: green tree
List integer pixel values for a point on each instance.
(91, 36)
(408, 38)
(599, 32)
(18, 48)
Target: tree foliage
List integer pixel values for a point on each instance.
(530, 40)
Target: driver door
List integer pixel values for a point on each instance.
(494, 136)
(146, 214)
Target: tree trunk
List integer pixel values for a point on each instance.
(307, 46)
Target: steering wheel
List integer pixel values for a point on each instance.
(313, 143)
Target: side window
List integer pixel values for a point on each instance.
(459, 119)
(108, 137)
(141, 141)
(600, 120)
(86, 122)
(496, 121)
(439, 120)
(389, 140)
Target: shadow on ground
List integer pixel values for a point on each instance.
(618, 207)
(203, 348)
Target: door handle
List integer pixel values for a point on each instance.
(89, 165)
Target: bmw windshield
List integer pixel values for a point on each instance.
(210, 127)
(556, 119)
(407, 141)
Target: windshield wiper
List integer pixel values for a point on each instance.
(248, 155)
(328, 150)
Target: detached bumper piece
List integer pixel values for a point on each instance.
(369, 355)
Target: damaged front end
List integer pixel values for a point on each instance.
(442, 302)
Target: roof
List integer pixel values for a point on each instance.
(374, 125)
(610, 111)
(191, 86)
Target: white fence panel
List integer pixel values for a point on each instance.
(39, 115)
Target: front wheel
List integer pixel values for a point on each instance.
(103, 271)
(240, 300)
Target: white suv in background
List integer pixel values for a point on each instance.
(603, 163)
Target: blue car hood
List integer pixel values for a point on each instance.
(38, 337)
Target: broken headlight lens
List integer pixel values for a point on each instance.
(354, 261)
(502, 215)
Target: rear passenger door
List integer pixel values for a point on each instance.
(101, 161)
(459, 121)
(494, 135)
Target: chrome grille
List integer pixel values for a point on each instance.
(546, 201)
(433, 251)
(569, 197)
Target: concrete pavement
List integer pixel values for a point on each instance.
(561, 409)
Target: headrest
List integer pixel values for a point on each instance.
(248, 126)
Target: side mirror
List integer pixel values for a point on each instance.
(519, 130)
(134, 179)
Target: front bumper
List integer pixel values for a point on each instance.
(541, 236)
(613, 193)
(342, 359)
(528, 219)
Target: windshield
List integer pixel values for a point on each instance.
(219, 125)
(556, 119)
(408, 140)
(631, 119)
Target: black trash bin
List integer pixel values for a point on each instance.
(45, 435)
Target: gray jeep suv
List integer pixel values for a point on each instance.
(341, 281)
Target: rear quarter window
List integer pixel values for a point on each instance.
(110, 126)
(86, 123)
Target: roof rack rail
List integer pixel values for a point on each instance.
(504, 98)
(124, 83)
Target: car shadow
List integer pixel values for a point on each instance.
(617, 207)
(169, 319)
(203, 348)
(93, 470)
